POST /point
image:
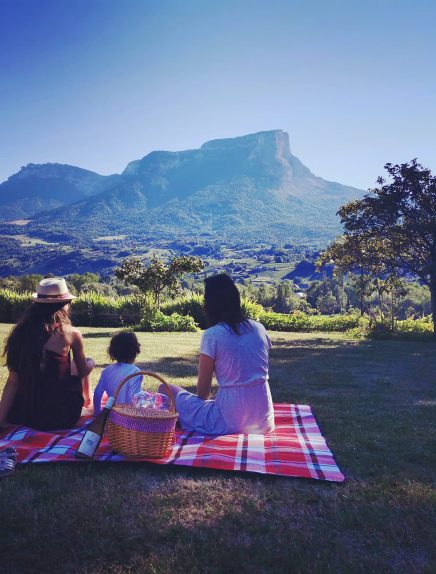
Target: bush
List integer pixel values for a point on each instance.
(299, 321)
(12, 305)
(93, 309)
(252, 310)
(193, 306)
(405, 329)
(155, 320)
(189, 305)
(416, 326)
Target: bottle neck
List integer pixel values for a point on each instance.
(109, 403)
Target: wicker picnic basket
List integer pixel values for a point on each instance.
(134, 431)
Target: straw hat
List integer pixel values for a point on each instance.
(52, 290)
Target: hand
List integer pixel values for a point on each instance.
(87, 402)
(90, 362)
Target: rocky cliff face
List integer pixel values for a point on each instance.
(249, 187)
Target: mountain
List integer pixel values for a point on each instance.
(240, 192)
(38, 187)
(249, 187)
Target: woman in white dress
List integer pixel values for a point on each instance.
(235, 349)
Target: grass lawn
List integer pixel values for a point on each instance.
(375, 403)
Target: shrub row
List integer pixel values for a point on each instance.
(299, 321)
(154, 320)
(416, 326)
(193, 306)
(90, 309)
(186, 314)
(93, 309)
(12, 305)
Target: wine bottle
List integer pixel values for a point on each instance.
(94, 433)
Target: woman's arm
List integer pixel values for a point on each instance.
(8, 396)
(84, 366)
(98, 394)
(206, 367)
(85, 392)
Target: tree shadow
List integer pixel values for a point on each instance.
(98, 335)
(172, 366)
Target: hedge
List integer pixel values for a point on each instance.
(193, 306)
(90, 309)
(186, 314)
(299, 321)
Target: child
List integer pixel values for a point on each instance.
(123, 348)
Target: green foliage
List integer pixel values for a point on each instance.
(78, 281)
(251, 309)
(100, 288)
(299, 321)
(416, 303)
(191, 305)
(12, 305)
(279, 297)
(21, 283)
(328, 296)
(97, 310)
(157, 275)
(392, 230)
(154, 320)
(416, 326)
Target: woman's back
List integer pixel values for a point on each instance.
(241, 370)
(239, 358)
(51, 397)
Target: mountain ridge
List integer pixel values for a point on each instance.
(237, 191)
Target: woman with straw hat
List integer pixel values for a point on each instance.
(41, 390)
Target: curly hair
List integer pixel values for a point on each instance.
(124, 347)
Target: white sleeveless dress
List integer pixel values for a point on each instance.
(243, 403)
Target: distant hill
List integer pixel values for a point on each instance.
(249, 188)
(40, 187)
(241, 192)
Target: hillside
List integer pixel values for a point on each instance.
(40, 187)
(242, 191)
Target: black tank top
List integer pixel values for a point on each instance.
(51, 399)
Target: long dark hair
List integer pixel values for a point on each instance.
(222, 302)
(24, 346)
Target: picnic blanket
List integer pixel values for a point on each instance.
(295, 448)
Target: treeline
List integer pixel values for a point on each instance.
(185, 313)
(377, 298)
(77, 283)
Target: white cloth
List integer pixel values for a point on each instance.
(243, 403)
(110, 379)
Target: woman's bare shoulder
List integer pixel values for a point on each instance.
(72, 333)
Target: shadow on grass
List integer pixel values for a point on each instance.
(368, 398)
(98, 335)
(171, 366)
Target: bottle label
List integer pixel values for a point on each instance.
(89, 444)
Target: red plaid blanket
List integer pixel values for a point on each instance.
(295, 448)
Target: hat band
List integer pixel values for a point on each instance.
(62, 296)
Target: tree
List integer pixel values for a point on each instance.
(327, 296)
(157, 275)
(391, 231)
(78, 281)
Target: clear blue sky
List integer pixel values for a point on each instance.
(98, 83)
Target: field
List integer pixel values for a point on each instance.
(375, 403)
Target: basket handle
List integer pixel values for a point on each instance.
(148, 374)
